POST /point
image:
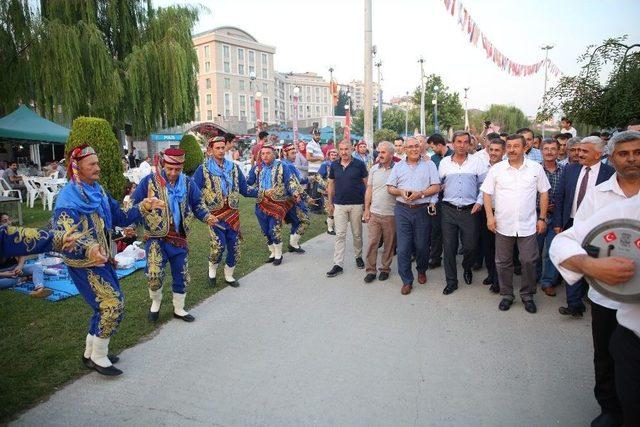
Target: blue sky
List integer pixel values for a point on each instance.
(315, 35)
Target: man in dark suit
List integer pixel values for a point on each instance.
(577, 179)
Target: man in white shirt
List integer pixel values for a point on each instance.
(315, 157)
(565, 127)
(145, 168)
(625, 183)
(398, 146)
(514, 185)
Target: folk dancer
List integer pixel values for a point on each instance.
(221, 183)
(321, 178)
(361, 153)
(276, 190)
(298, 215)
(84, 205)
(166, 229)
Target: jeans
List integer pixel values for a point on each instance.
(413, 231)
(35, 270)
(547, 273)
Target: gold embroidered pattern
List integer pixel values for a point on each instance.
(186, 277)
(277, 232)
(110, 304)
(155, 272)
(303, 217)
(215, 247)
(157, 220)
(27, 236)
(236, 250)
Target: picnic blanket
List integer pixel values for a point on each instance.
(62, 285)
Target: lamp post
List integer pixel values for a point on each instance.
(422, 117)
(296, 94)
(347, 119)
(466, 110)
(406, 115)
(379, 126)
(258, 108)
(333, 104)
(435, 109)
(546, 49)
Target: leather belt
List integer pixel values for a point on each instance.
(408, 206)
(458, 208)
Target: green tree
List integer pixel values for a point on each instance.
(384, 135)
(193, 153)
(342, 101)
(450, 111)
(122, 60)
(98, 134)
(587, 100)
(508, 117)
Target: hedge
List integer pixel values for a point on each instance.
(193, 153)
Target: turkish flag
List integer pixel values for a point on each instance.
(610, 237)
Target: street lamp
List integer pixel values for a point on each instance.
(258, 108)
(333, 89)
(546, 49)
(406, 115)
(347, 119)
(422, 88)
(435, 109)
(466, 110)
(296, 94)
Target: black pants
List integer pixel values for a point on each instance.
(458, 222)
(625, 349)
(488, 248)
(603, 323)
(435, 251)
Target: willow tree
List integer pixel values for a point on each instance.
(121, 60)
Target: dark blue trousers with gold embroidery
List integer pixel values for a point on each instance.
(221, 239)
(100, 288)
(271, 226)
(298, 217)
(159, 253)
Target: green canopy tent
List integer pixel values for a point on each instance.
(24, 126)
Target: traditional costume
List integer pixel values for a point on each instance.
(166, 231)
(19, 241)
(275, 186)
(321, 179)
(365, 158)
(94, 213)
(221, 187)
(298, 215)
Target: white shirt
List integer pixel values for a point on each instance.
(144, 169)
(568, 244)
(571, 130)
(514, 192)
(461, 182)
(313, 148)
(591, 183)
(483, 156)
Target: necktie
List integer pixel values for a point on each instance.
(583, 186)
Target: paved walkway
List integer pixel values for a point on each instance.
(297, 349)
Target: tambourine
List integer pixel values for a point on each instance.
(616, 238)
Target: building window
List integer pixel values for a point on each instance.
(265, 60)
(207, 67)
(252, 108)
(265, 73)
(209, 115)
(252, 57)
(265, 110)
(265, 88)
(206, 51)
(228, 108)
(317, 109)
(207, 84)
(227, 67)
(225, 51)
(241, 69)
(241, 84)
(208, 99)
(240, 54)
(243, 106)
(227, 83)
(252, 69)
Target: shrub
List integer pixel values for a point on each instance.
(384, 135)
(98, 134)
(193, 153)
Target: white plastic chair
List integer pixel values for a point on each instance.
(6, 189)
(49, 192)
(33, 190)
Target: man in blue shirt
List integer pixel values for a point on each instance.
(530, 152)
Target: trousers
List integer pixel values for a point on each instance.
(380, 226)
(458, 222)
(221, 239)
(271, 227)
(159, 253)
(413, 231)
(528, 254)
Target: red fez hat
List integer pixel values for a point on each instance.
(361, 142)
(173, 156)
(77, 154)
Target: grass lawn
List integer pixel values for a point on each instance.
(41, 342)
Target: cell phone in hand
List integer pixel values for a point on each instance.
(409, 193)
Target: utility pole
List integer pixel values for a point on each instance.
(368, 70)
(379, 126)
(333, 105)
(422, 118)
(406, 116)
(546, 49)
(466, 110)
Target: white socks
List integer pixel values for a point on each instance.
(88, 348)
(294, 240)
(156, 300)
(272, 251)
(212, 270)
(100, 351)
(228, 273)
(178, 304)
(277, 252)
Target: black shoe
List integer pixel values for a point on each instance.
(468, 276)
(359, 262)
(110, 371)
(335, 270)
(505, 304)
(487, 281)
(495, 288)
(270, 259)
(517, 270)
(277, 261)
(187, 317)
(434, 264)
(331, 232)
(234, 284)
(606, 419)
(153, 316)
(212, 282)
(530, 306)
(477, 267)
(86, 361)
(369, 278)
(383, 276)
(296, 250)
(449, 289)
(568, 311)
